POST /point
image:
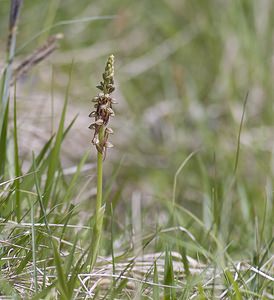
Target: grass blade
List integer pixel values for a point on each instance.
(169, 293)
(54, 158)
(71, 185)
(16, 162)
(33, 248)
(3, 142)
(156, 290)
(44, 292)
(239, 135)
(61, 282)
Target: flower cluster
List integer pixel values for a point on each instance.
(103, 109)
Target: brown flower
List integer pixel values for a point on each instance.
(103, 109)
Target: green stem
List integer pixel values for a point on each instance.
(99, 175)
(99, 214)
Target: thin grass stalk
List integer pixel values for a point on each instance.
(17, 169)
(179, 170)
(33, 247)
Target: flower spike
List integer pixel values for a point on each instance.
(103, 108)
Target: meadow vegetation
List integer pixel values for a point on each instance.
(186, 210)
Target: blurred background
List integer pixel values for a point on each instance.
(183, 70)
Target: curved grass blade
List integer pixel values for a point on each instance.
(54, 157)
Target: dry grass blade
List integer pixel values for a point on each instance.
(36, 57)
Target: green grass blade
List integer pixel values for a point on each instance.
(177, 173)
(3, 142)
(70, 258)
(7, 289)
(40, 197)
(239, 135)
(44, 293)
(169, 293)
(17, 168)
(112, 245)
(24, 262)
(63, 23)
(185, 261)
(156, 290)
(42, 160)
(66, 220)
(54, 158)
(201, 292)
(74, 179)
(33, 242)
(96, 237)
(236, 294)
(61, 282)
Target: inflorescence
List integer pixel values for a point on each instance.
(103, 109)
